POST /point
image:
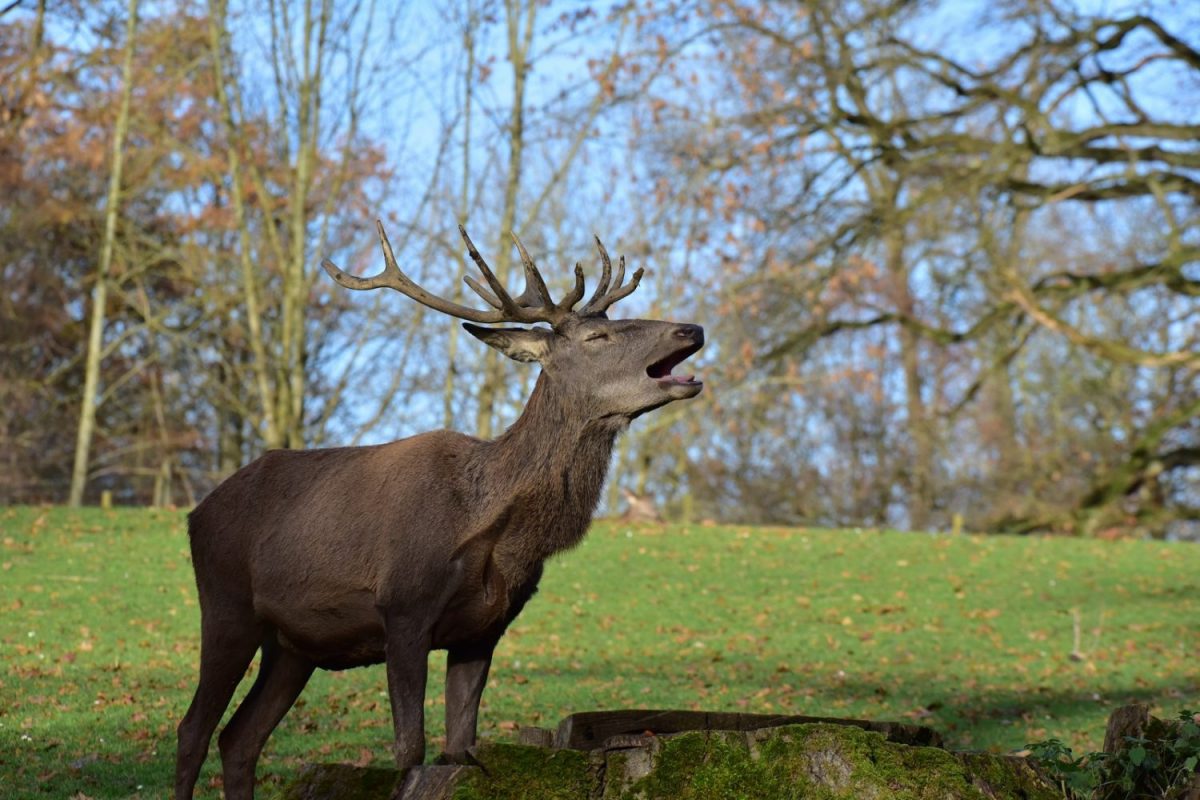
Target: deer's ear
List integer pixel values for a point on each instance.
(520, 344)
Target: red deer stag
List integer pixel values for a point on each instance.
(351, 556)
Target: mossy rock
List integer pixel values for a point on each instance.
(519, 771)
(819, 762)
(806, 762)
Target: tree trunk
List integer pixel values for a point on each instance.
(519, 41)
(91, 381)
(464, 204)
(296, 279)
(920, 469)
(269, 428)
(280, 365)
(229, 430)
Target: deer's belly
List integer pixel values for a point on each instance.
(344, 629)
(333, 635)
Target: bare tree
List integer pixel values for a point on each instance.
(95, 342)
(886, 194)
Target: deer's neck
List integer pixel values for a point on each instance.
(544, 474)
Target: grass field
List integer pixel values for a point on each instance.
(973, 636)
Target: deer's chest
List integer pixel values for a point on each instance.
(483, 606)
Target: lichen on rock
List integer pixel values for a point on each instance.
(821, 762)
(519, 771)
(808, 761)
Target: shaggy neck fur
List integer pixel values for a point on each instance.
(544, 474)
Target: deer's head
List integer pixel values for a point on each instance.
(609, 367)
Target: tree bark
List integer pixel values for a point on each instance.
(91, 382)
(464, 204)
(295, 294)
(250, 286)
(520, 37)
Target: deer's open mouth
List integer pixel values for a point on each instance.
(661, 370)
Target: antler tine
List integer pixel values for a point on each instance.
(603, 298)
(576, 293)
(618, 293)
(620, 276)
(393, 277)
(487, 296)
(523, 308)
(507, 304)
(533, 278)
(605, 275)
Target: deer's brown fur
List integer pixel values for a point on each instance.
(352, 556)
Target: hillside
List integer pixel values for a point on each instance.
(974, 636)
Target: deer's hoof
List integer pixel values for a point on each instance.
(408, 757)
(463, 758)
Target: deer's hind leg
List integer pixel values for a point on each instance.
(227, 645)
(282, 675)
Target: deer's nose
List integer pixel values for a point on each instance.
(692, 333)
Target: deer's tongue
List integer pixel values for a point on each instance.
(661, 370)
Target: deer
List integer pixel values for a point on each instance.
(352, 556)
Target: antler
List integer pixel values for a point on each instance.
(602, 298)
(393, 277)
(531, 306)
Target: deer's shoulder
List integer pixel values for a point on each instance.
(441, 444)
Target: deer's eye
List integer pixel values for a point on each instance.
(598, 336)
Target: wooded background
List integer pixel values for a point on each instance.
(947, 254)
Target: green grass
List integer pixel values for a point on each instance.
(973, 636)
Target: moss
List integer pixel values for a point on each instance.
(700, 765)
(615, 764)
(808, 762)
(1007, 776)
(829, 761)
(518, 771)
(822, 762)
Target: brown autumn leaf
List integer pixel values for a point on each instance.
(365, 757)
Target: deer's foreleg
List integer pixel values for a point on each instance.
(466, 675)
(407, 666)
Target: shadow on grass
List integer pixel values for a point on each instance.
(113, 766)
(970, 717)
